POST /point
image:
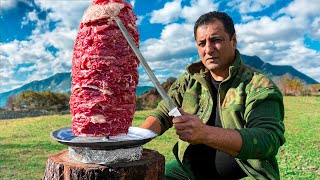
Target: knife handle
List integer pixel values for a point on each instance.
(174, 112)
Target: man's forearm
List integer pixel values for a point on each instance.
(225, 140)
(152, 123)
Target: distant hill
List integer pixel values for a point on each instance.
(61, 82)
(150, 99)
(275, 70)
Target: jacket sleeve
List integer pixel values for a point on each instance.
(263, 133)
(175, 93)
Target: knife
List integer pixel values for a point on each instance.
(173, 109)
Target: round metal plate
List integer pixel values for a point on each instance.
(136, 137)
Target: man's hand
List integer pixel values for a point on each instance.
(189, 128)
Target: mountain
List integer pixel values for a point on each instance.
(275, 70)
(142, 89)
(61, 82)
(150, 99)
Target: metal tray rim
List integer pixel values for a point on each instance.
(135, 139)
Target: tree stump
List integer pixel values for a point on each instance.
(61, 167)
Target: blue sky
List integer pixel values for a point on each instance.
(37, 36)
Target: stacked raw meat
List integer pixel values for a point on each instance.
(104, 71)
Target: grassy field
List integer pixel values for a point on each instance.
(25, 144)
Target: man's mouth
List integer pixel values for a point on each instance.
(212, 58)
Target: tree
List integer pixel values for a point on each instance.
(10, 102)
(49, 101)
(294, 86)
(30, 100)
(56, 101)
(289, 85)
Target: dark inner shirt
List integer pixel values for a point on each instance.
(207, 162)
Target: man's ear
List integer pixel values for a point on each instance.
(234, 40)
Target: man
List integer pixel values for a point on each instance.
(232, 116)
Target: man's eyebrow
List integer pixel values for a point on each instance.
(201, 40)
(214, 36)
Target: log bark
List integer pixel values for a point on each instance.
(61, 167)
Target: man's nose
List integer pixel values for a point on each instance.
(210, 47)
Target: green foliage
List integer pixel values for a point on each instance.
(291, 86)
(25, 144)
(49, 101)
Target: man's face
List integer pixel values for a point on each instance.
(215, 48)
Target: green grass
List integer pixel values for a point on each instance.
(25, 144)
(299, 157)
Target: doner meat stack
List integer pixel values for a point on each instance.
(102, 142)
(104, 71)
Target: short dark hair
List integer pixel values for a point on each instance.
(211, 17)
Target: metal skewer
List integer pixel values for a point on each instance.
(173, 109)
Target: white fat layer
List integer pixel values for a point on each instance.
(97, 11)
(96, 119)
(131, 27)
(103, 57)
(97, 57)
(104, 91)
(79, 116)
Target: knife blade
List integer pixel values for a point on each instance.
(173, 109)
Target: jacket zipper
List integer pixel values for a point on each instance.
(240, 163)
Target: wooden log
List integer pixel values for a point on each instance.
(61, 167)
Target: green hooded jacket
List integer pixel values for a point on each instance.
(248, 102)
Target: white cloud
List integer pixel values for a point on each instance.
(139, 20)
(34, 51)
(315, 28)
(301, 58)
(176, 40)
(6, 72)
(172, 11)
(293, 53)
(18, 55)
(132, 2)
(197, 8)
(307, 13)
(67, 13)
(250, 5)
(266, 29)
(164, 70)
(302, 8)
(31, 16)
(169, 13)
(246, 18)
(280, 42)
(41, 25)
(7, 4)
(28, 69)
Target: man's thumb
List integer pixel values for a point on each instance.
(182, 112)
